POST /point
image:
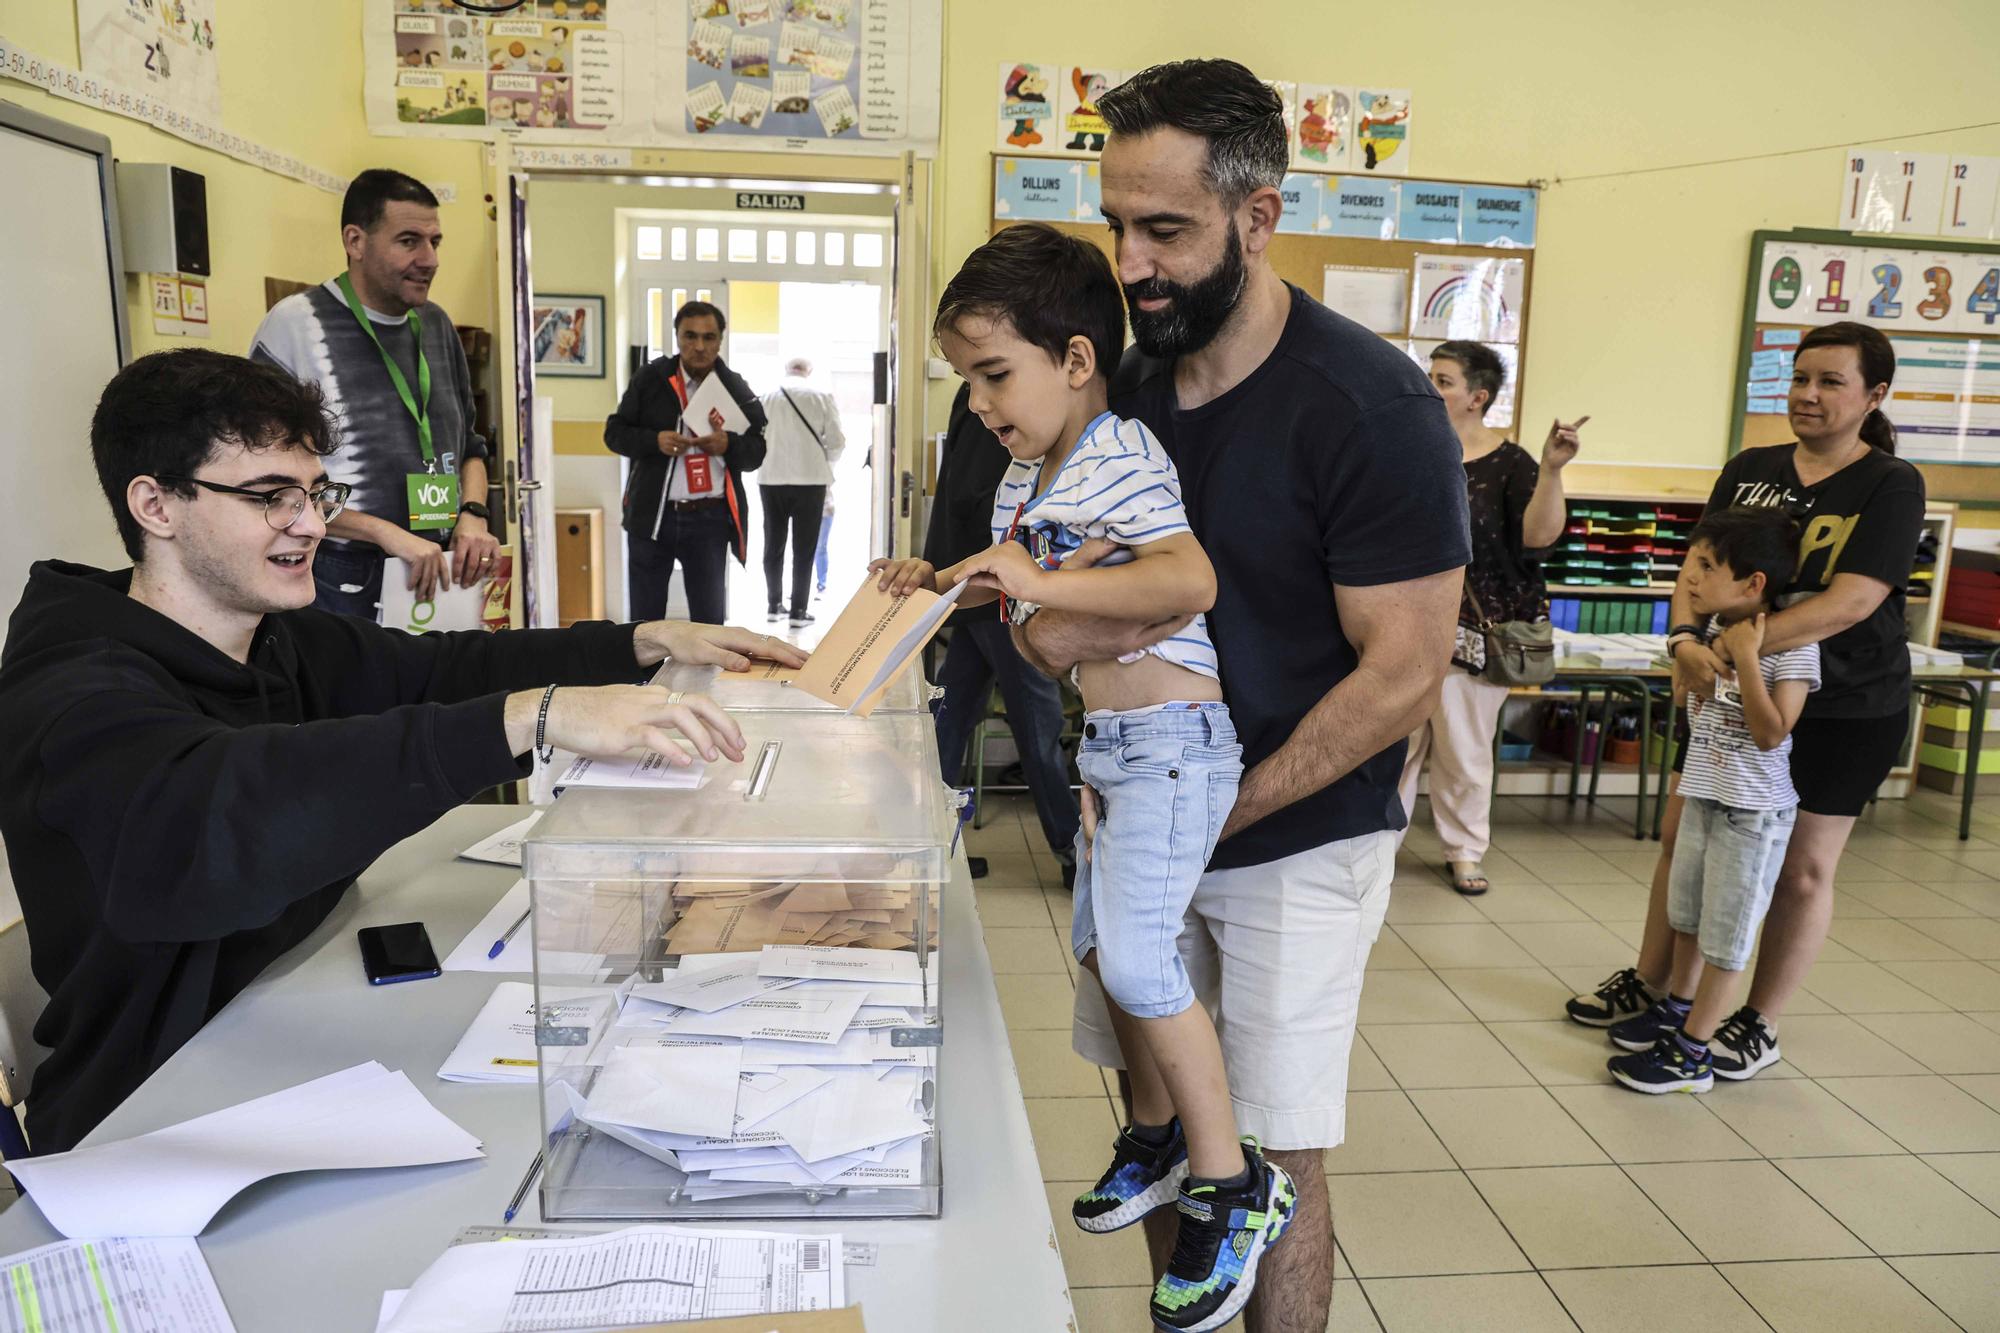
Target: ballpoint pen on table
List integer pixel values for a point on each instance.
(501, 943)
(534, 1169)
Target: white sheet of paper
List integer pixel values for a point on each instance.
(639, 1275)
(816, 962)
(103, 1286)
(519, 955)
(853, 1048)
(172, 1181)
(499, 1046)
(670, 1089)
(852, 1112)
(648, 770)
(775, 1017)
(502, 848)
(711, 988)
(917, 635)
(900, 994)
(451, 608)
(712, 395)
(764, 1093)
(392, 1301)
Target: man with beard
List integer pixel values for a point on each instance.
(1322, 477)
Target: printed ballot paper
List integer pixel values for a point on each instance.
(502, 848)
(172, 1181)
(500, 1047)
(633, 1276)
(710, 408)
(875, 640)
(111, 1286)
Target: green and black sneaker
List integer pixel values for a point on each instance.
(1224, 1232)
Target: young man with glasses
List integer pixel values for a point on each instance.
(195, 764)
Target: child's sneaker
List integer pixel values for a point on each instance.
(1667, 1066)
(1223, 1234)
(1622, 995)
(1639, 1034)
(1141, 1178)
(1743, 1045)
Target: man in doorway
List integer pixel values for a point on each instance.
(388, 361)
(1323, 479)
(684, 496)
(804, 442)
(195, 765)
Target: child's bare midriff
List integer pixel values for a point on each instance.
(1123, 686)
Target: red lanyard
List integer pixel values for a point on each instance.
(1013, 527)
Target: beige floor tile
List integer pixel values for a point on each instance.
(1500, 1302)
(1420, 1225)
(1385, 1133)
(1905, 900)
(1508, 994)
(1620, 900)
(1746, 1210)
(1632, 1127)
(1024, 949)
(1898, 1205)
(1558, 1052)
(1390, 954)
(1036, 1000)
(1572, 943)
(1804, 1001)
(1846, 907)
(1965, 1286)
(1011, 905)
(1835, 1296)
(1890, 941)
(1990, 1021)
(1000, 837)
(1464, 945)
(1962, 984)
(1945, 1043)
(1833, 951)
(1410, 997)
(1986, 1087)
(1977, 1173)
(1351, 1311)
(1527, 902)
(1073, 1136)
(1365, 1070)
(1010, 869)
(1578, 867)
(1491, 1127)
(1869, 988)
(1831, 1045)
(1633, 933)
(1922, 1114)
(1582, 1217)
(1445, 1055)
(1973, 938)
(1049, 1068)
(1602, 1300)
(1796, 1118)
(1426, 902)
(1111, 1309)
(1634, 859)
(1983, 898)
(1116, 1260)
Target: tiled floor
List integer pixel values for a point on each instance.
(1494, 1177)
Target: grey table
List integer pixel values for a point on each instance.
(316, 1251)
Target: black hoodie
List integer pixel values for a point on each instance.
(176, 819)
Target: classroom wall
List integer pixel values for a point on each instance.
(1638, 283)
(291, 78)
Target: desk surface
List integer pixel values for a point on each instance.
(316, 1251)
(1921, 674)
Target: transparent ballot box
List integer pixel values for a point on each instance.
(765, 688)
(737, 985)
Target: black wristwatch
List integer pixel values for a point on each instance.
(476, 509)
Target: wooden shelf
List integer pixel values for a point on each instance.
(1610, 589)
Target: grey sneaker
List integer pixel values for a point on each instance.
(1622, 995)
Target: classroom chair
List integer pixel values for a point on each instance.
(21, 1004)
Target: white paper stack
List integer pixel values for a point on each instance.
(765, 1071)
(1629, 652)
(499, 1047)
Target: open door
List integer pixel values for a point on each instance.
(528, 450)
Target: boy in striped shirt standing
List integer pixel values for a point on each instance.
(1740, 799)
(1035, 322)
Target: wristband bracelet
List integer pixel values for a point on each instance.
(1692, 631)
(544, 752)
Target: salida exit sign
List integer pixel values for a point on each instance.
(770, 201)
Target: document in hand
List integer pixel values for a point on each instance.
(648, 770)
(172, 1181)
(710, 408)
(875, 640)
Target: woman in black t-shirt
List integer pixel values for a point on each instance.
(1517, 513)
(1862, 511)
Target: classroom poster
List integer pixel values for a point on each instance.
(1029, 98)
(1026, 189)
(1893, 288)
(1081, 129)
(1300, 195)
(1467, 297)
(785, 68)
(1288, 94)
(1325, 131)
(1971, 199)
(1429, 212)
(1358, 206)
(1945, 403)
(1770, 380)
(1382, 131)
(1498, 217)
(162, 47)
(1885, 191)
(1378, 299)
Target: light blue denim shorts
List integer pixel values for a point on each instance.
(1166, 780)
(1726, 864)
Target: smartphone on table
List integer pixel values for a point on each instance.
(397, 953)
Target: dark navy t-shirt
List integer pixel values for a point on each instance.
(1331, 463)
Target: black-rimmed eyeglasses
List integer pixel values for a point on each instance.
(283, 505)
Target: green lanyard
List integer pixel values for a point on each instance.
(418, 406)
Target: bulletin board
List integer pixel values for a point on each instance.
(1304, 250)
(1939, 303)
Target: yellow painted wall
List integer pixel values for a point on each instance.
(753, 307)
(291, 78)
(1638, 285)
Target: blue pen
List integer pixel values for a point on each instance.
(521, 1194)
(501, 943)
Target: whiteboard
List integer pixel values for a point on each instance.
(64, 338)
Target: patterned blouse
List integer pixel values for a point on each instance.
(1505, 574)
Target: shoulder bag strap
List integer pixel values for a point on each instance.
(802, 417)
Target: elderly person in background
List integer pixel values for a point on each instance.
(804, 442)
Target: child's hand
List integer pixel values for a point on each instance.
(900, 578)
(1008, 567)
(1745, 639)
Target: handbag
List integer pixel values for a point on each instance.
(1518, 652)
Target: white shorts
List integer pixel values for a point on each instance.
(1276, 953)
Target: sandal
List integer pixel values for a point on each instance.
(1464, 877)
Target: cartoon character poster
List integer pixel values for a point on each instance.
(1028, 93)
(1382, 132)
(1083, 130)
(1325, 132)
(162, 47)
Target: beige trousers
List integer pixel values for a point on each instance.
(1458, 741)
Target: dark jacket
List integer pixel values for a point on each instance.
(969, 470)
(176, 819)
(650, 406)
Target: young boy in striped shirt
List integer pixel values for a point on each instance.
(1035, 322)
(1740, 802)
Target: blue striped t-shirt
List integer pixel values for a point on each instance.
(1117, 483)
